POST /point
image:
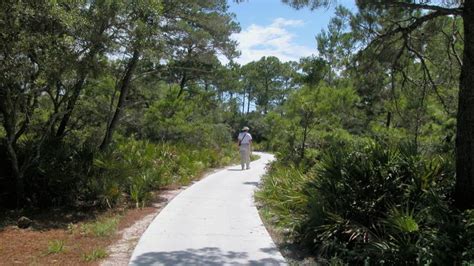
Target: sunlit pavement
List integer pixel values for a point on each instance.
(214, 222)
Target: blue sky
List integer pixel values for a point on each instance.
(270, 27)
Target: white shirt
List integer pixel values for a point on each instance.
(244, 138)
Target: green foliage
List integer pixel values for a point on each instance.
(180, 120)
(346, 184)
(58, 177)
(372, 178)
(61, 87)
(378, 159)
(139, 189)
(314, 116)
(101, 228)
(403, 221)
(337, 45)
(55, 246)
(394, 208)
(467, 234)
(267, 82)
(94, 255)
(283, 197)
(135, 168)
(369, 197)
(254, 157)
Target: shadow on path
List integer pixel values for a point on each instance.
(251, 183)
(203, 256)
(235, 170)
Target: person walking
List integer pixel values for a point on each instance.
(245, 147)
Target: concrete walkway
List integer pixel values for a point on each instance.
(214, 222)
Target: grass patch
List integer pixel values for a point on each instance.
(254, 157)
(55, 247)
(94, 255)
(101, 228)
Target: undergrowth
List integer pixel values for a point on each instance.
(135, 168)
(101, 228)
(55, 247)
(371, 203)
(94, 255)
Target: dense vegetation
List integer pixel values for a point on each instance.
(103, 101)
(370, 156)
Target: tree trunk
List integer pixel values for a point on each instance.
(84, 71)
(182, 84)
(303, 143)
(389, 119)
(71, 104)
(9, 123)
(124, 89)
(248, 102)
(265, 107)
(17, 174)
(464, 191)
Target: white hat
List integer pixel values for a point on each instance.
(245, 129)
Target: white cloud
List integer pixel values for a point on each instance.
(275, 39)
(281, 22)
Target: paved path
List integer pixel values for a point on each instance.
(214, 222)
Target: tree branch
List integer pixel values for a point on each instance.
(451, 47)
(415, 25)
(445, 10)
(394, 94)
(428, 74)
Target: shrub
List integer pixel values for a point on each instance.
(94, 255)
(367, 202)
(393, 204)
(136, 167)
(140, 189)
(468, 236)
(55, 246)
(101, 228)
(283, 197)
(57, 177)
